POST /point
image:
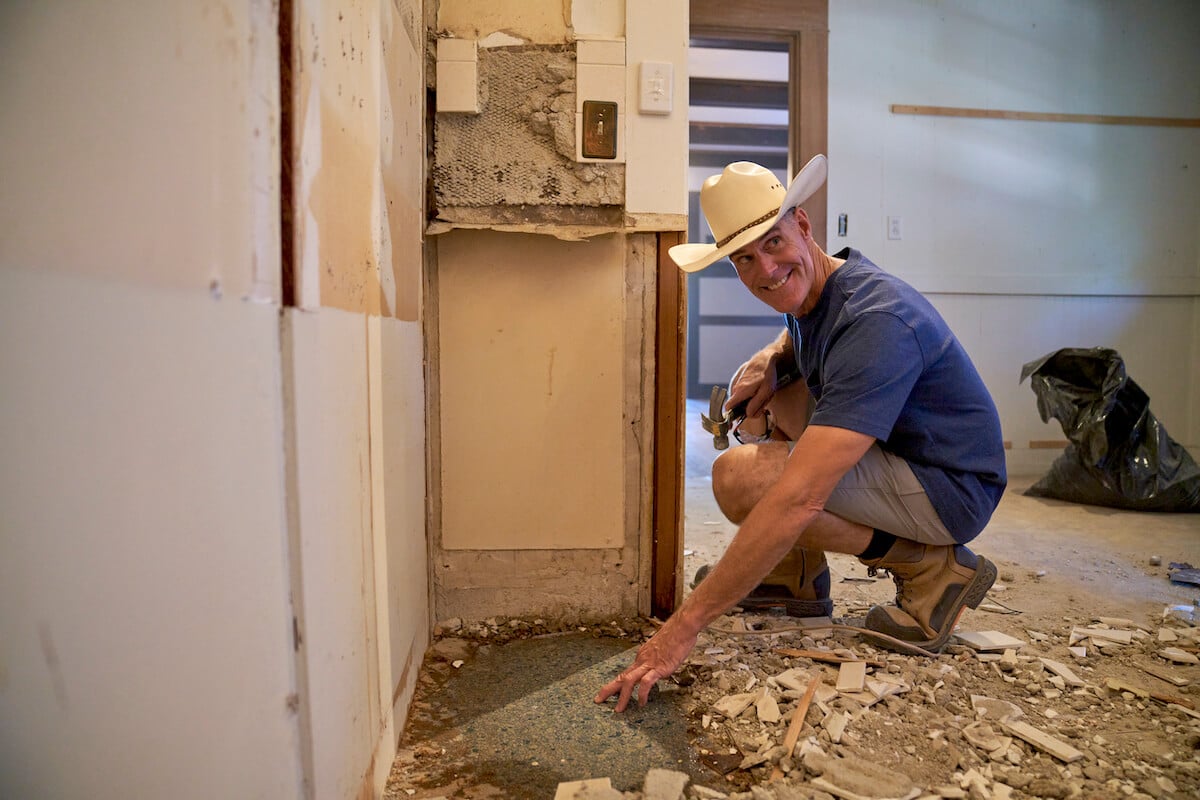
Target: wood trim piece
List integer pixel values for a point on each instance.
(666, 588)
(810, 102)
(1047, 444)
(768, 15)
(1038, 116)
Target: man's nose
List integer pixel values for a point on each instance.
(764, 264)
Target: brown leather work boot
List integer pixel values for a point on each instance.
(934, 583)
(799, 584)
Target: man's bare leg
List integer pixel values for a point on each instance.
(743, 474)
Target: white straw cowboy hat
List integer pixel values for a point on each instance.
(741, 204)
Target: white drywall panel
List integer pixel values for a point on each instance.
(403, 436)
(138, 135)
(146, 627)
(531, 332)
(603, 19)
(656, 150)
(1001, 206)
(327, 353)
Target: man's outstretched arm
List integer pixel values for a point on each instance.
(814, 468)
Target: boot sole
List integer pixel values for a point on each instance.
(792, 606)
(972, 595)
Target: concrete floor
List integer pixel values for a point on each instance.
(516, 719)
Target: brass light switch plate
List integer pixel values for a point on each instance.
(599, 129)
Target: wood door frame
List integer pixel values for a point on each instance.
(804, 25)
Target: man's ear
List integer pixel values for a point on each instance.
(802, 221)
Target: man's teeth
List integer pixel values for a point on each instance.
(779, 282)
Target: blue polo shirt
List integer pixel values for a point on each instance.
(880, 360)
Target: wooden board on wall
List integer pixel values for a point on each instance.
(670, 355)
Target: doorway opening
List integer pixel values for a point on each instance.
(738, 111)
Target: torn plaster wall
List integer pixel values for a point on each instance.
(538, 22)
(515, 161)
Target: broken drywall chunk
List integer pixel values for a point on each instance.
(1120, 686)
(590, 789)
(664, 784)
(851, 777)
(794, 679)
(1100, 636)
(991, 708)
(1164, 674)
(989, 641)
(983, 736)
(851, 676)
(732, 705)
(1178, 656)
(1063, 671)
(767, 708)
(1043, 741)
(835, 724)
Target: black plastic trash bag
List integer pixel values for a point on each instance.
(1119, 455)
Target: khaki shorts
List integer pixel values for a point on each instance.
(881, 491)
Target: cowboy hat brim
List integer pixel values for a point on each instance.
(693, 257)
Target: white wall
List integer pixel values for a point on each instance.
(145, 628)
(1030, 236)
(145, 622)
(212, 553)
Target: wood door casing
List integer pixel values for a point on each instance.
(804, 24)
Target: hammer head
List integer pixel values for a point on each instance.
(717, 422)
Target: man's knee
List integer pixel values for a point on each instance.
(725, 483)
(732, 482)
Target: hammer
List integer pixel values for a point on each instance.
(719, 423)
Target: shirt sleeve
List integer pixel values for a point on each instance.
(869, 370)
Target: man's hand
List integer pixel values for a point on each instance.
(661, 655)
(755, 382)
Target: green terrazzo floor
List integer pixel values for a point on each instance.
(519, 718)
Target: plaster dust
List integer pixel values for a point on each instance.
(1062, 567)
(520, 150)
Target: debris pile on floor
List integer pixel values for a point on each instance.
(1096, 708)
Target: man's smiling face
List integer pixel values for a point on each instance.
(778, 267)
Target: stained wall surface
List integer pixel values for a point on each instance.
(532, 381)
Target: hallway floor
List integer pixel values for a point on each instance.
(512, 720)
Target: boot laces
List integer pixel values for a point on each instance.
(901, 593)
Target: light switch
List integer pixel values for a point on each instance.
(599, 129)
(656, 87)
